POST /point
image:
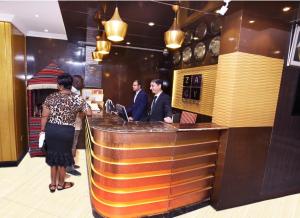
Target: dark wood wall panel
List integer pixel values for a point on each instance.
(283, 164)
(119, 69)
(40, 51)
(242, 167)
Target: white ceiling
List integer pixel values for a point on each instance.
(34, 17)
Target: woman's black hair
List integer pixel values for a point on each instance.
(65, 80)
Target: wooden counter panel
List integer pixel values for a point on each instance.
(190, 137)
(190, 198)
(204, 160)
(138, 183)
(127, 154)
(133, 140)
(133, 196)
(155, 154)
(191, 174)
(138, 173)
(191, 186)
(131, 168)
(197, 148)
(124, 211)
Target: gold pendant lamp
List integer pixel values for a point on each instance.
(103, 45)
(97, 56)
(115, 28)
(174, 36)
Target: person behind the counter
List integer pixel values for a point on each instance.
(138, 110)
(161, 104)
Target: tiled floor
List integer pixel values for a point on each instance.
(24, 193)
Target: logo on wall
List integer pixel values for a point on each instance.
(192, 87)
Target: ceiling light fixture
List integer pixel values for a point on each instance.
(151, 23)
(128, 43)
(46, 30)
(224, 8)
(97, 56)
(36, 15)
(174, 36)
(103, 45)
(285, 9)
(115, 28)
(251, 21)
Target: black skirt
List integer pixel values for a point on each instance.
(59, 141)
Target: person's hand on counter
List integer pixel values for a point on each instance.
(168, 120)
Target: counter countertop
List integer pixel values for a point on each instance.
(113, 123)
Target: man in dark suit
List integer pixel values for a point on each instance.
(161, 105)
(138, 110)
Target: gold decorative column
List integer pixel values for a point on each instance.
(13, 131)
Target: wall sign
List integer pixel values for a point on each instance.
(192, 87)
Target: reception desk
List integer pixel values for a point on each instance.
(138, 169)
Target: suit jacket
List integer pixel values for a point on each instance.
(161, 109)
(138, 110)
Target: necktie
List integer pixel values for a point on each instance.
(153, 103)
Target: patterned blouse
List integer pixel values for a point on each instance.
(64, 108)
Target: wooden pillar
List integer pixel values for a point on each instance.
(249, 73)
(13, 128)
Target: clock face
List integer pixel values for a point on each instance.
(201, 31)
(214, 46)
(176, 57)
(187, 54)
(215, 26)
(199, 51)
(188, 37)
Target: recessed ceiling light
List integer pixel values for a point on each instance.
(36, 15)
(277, 52)
(285, 9)
(251, 21)
(46, 30)
(151, 23)
(196, 38)
(128, 43)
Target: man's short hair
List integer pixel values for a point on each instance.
(138, 82)
(157, 81)
(78, 76)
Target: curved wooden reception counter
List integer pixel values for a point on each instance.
(138, 169)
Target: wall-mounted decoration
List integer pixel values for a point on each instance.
(176, 57)
(195, 94)
(201, 31)
(93, 75)
(187, 80)
(192, 87)
(214, 46)
(199, 51)
(188, 37)
(187, 55)
(215, 26)
(196, 80)
(186, 92)
(294, 47)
